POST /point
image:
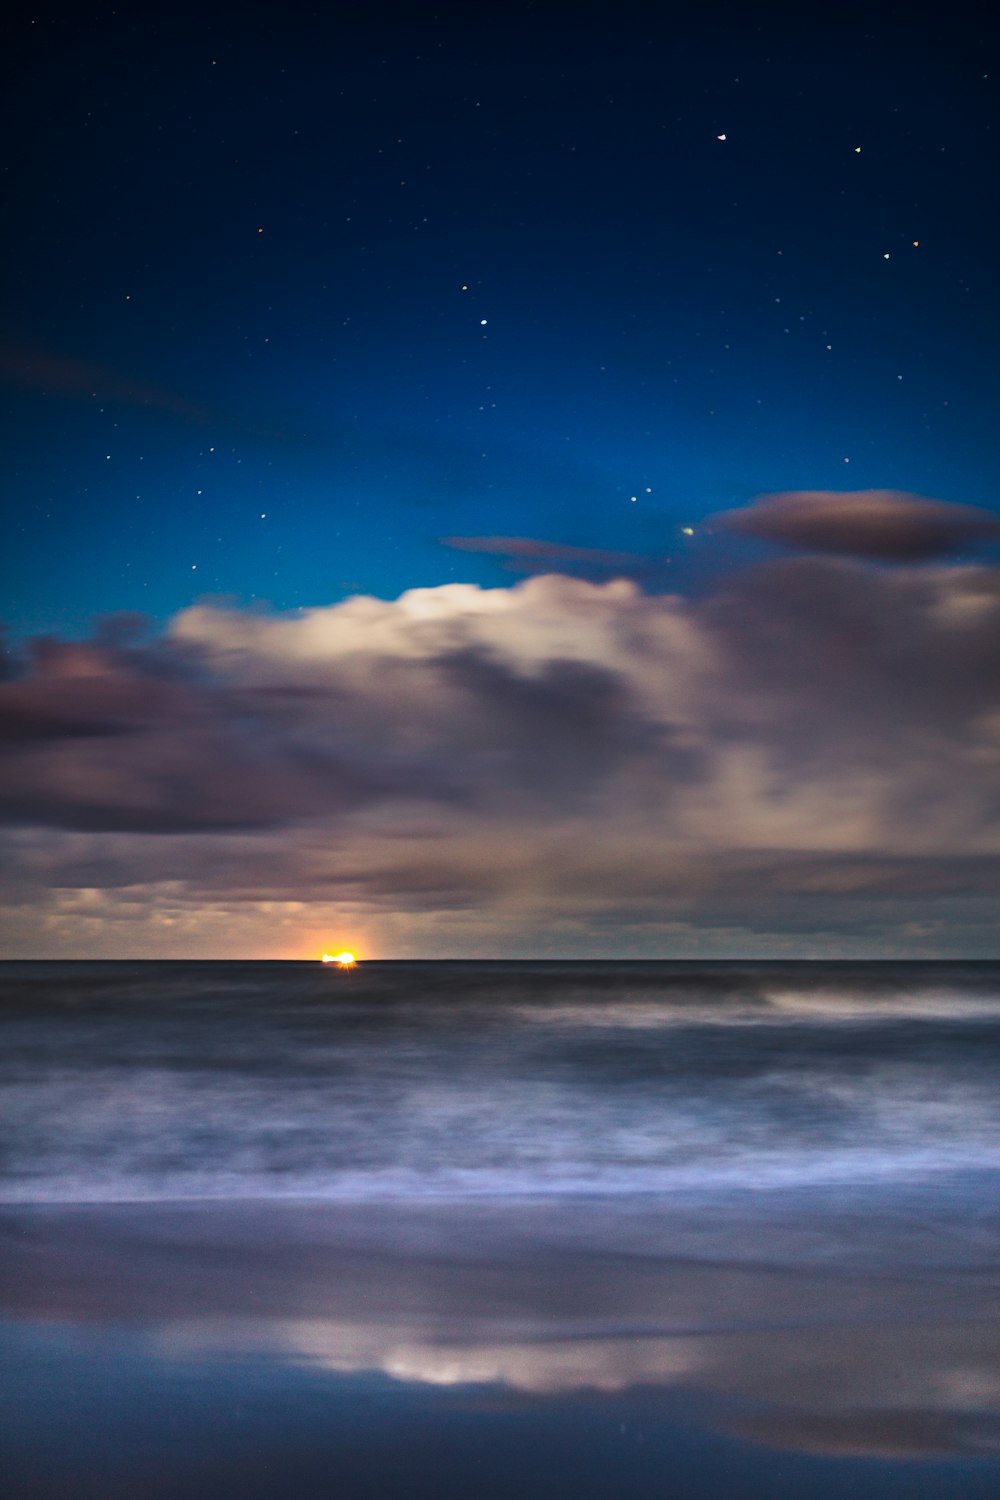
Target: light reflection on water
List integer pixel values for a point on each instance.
(833, 1331)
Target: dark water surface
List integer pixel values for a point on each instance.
(641, 1229)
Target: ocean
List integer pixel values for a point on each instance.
(422, 1216)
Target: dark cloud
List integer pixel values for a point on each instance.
(96, 737)
(525, 554)
(556, 730)
(839, 656)
(884, 525)
(81, 689)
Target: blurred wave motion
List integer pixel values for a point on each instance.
(416, 1081)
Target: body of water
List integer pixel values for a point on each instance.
(547, 1229)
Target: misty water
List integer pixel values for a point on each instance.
(579, 1226)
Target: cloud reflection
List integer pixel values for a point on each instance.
(884, 1391)
(823, 1354)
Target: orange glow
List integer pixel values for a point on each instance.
(345, 960)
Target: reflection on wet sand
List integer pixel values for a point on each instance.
(801, 1331)
(889, 1391)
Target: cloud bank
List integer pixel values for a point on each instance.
(804, 759)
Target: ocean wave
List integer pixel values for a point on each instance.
(468, 1081)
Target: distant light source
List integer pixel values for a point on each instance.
(343, 960)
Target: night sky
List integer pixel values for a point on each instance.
(512, 482)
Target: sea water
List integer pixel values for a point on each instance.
(408, 1081)
(620, 1219)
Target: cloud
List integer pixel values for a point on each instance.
(60, 374)
(525, 554)
(807, 754)
(98, 737)
(883, 525)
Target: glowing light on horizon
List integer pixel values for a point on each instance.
(345, 960)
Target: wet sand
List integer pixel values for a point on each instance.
(748, 1345)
